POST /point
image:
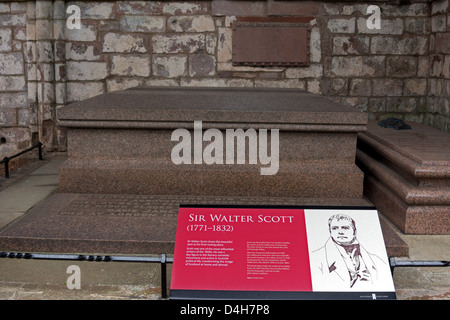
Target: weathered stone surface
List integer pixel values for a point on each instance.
(86, 70)
(202, 23)
(123, 43)
(342, 25)
(174, 43)
(387, 87)
(13, 20)
(88, 32)
(360, 87)
(77, 91)
(180, 8)
(388, 26)
(312, 71)
(8, 117)
(142, 24)
(439, 6)
(123, 83)
(344, 45)
(96, 10)
(391, 45)
(82, 51)
(170, 67)
(401, 66)
(11, 63)
(442, 43)
(140, 7)
(356, 66)
(201, 65)
(415, 87)
(130, 65)
(13, 100)
(224, 52)
(5, 40)
(12, 83)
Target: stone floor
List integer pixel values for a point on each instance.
(22, 279)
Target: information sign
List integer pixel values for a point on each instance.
(280, 253)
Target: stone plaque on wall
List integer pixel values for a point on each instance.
(271, 42)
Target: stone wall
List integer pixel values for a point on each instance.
(400, 70)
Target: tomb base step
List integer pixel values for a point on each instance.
(133, 224)
(151, 177)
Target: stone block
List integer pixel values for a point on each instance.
(13, 20)
(13, 100)
(88, 32)
(77, 91)
(312, 71)
(12, 83)
(201, 23)
(86, 70)
(442, 43)
(387, 87)
(347, 45)
(26, 117)
(439, 6)
(8, 117)
(122, 43)
(388, 26)
(407, 45)
(11, 63)
(315, 46)
(417, 25)
(401, 104)
(5, 40)
(82, 51)
(178, 43)
(169, 66)
(202, 65)
(415, 87)
(130, 65)
(4, 7)
(224, 49)
(401, 66)
(438, 23)
(408, 10)
(342, 25)
(343, 66)
(181, 8)
(117, 84)
(360, 87)
(140, 7)
(142, 24)
(97, 10)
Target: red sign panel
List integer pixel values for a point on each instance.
(287, 253)
(241, 249)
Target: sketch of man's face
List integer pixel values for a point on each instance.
(342, 231)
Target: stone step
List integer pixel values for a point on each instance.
(305, 180)
(133, 224)
(407, 176)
